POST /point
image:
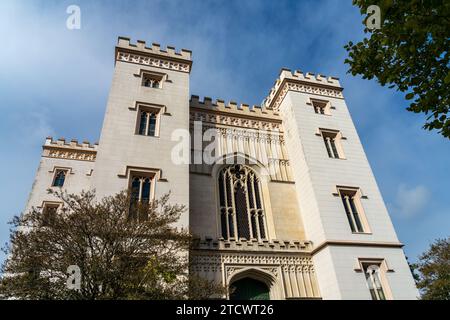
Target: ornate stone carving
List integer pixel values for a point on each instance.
(69, 150)
(294, 273)
(235, 121)
(72, 155)
(311, 89)
(152, 61)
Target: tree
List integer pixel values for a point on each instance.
(410, 52)
(123, 251)
(433, 271)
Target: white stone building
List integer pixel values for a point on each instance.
(289, 207)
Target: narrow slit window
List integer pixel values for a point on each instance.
(373, 275)
(140, 194)
(331, 140)
(353, 211)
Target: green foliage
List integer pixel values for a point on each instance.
(433, 271)
(410, 52)
(120, 256)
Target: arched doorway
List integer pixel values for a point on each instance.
(249, 289)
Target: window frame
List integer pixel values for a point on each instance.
(153, 76)
(337, 138)
(149, 109)
(356, 195)
(57, 170)
(142, 175)
(254, 214)
(383, 269)
(325, 105)
(49, 204)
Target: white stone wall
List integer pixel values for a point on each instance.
(326, 217)
(120, 147)
(77, 179)
(352, 284)
(316, 176)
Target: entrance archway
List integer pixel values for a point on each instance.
(249, 289)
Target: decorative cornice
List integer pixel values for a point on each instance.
(219, 257)
(305, 83)
(153, 56)
(235, 121)
(233, 245)
(153, 62)
(69, 150)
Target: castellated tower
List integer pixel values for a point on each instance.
(148, 100)
(340, 203)
(288, 208)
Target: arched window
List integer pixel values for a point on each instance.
(374, 282)
(241, 207)
(60, 177)
(140, 193)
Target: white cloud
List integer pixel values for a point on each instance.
(411, 200)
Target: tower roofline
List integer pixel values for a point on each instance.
(155, 49)
(305, 82)
(243, 109)
(154, 56)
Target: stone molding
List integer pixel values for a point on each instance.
(253, 245)
(69, 150)
(297, 81)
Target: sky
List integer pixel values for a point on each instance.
(55, 82)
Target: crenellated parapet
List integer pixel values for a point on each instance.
(219, 106)
(153, 56)
(208, 243)
(69, 150)
(300, 82)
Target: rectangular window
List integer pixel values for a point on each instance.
(48, 213)
(320, 106)
(148, 121)
(333, 146)
(375, 277)
(59, 178)
(353, 210)
(141, 193)
(152, 80)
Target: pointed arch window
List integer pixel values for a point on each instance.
(148, 121)
(141, 190)
(60, 178)
(374, 281)
(241, 207)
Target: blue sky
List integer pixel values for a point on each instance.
(55, 81)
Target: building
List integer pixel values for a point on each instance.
(287, 207)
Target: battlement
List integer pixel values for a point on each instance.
(208, 243)
(155, 49)
(72, 144)
(69, 150)
(232, 107)
(306, 82)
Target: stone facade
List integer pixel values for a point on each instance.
(289, 199)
